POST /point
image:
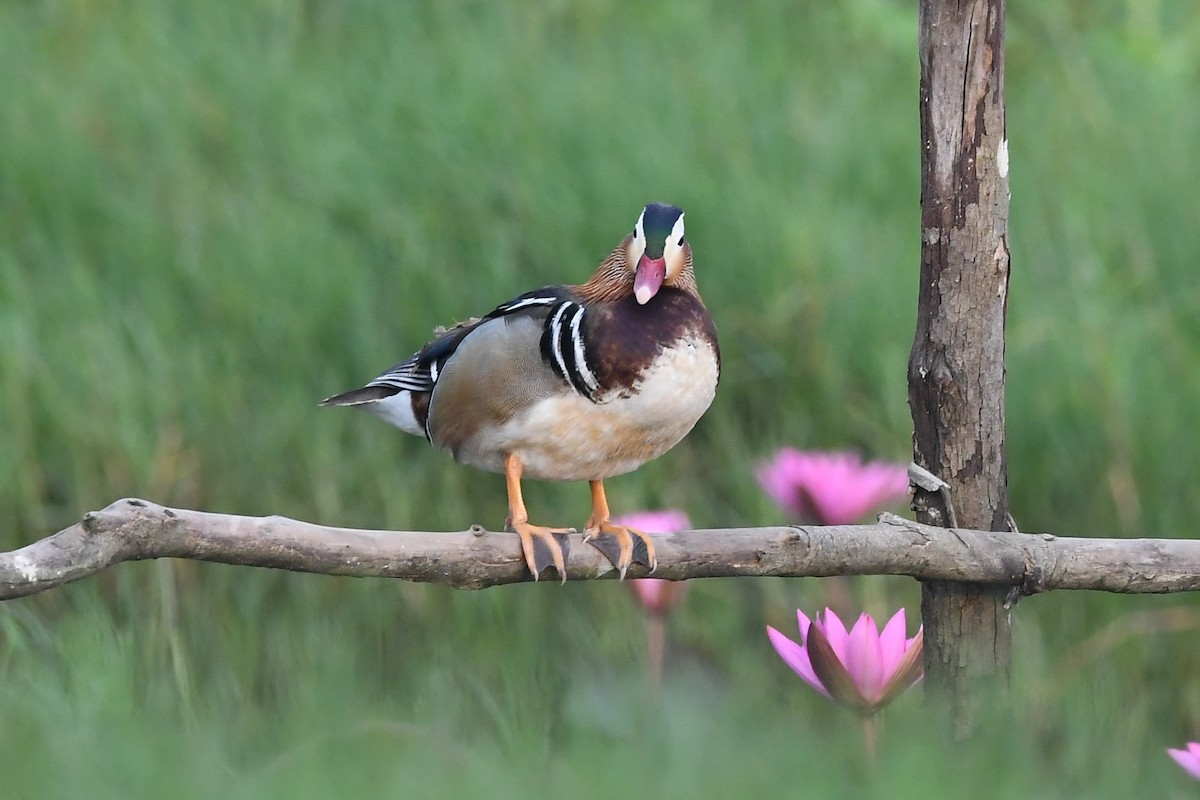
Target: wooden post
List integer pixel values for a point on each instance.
(956, 370)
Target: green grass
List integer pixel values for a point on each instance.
(212, 216)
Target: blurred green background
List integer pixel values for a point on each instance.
(212, 215)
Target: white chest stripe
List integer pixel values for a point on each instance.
(581, 365)
(563, 347)
(556, 338)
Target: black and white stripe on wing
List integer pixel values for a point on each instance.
(529, 300)
(414, 375)
(420, 372)
(563, 347)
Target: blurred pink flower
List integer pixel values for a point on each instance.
(671, 520)
(1188, 759)
(831, 488)
(863, 668)
(657, 596)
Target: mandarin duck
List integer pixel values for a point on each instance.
(568, 383)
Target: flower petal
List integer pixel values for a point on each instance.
(835, 632)
(864, 658)
(831, 486)
(893, 643)
(832, 672)
(670, 520)
(910, 670)
(804, 622)
(781, 478)
(836, 488)
(658, 596)
(1187, 759)
(795, 657)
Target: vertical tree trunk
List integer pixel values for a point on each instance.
(956, 370)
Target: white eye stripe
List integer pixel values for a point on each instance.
(676, 236)
(637, 245)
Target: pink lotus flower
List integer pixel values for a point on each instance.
(669, 521)
(657, 596)
(1188, 759)
(832, 488)
(863, 668)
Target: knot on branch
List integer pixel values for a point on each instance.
(1033, 579)
(112, 516)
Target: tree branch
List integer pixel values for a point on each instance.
(136, 530)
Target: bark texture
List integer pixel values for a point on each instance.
(1015, 564)
(956, 371)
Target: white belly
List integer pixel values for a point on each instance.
(568, 437)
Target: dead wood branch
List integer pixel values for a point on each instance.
(135, 530)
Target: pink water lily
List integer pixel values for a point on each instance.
(863, 668)
(1189, 759)
(670, 520)
(829, 487)
(658, 596)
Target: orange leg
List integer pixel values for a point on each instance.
(617, 542)
(542, 547)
